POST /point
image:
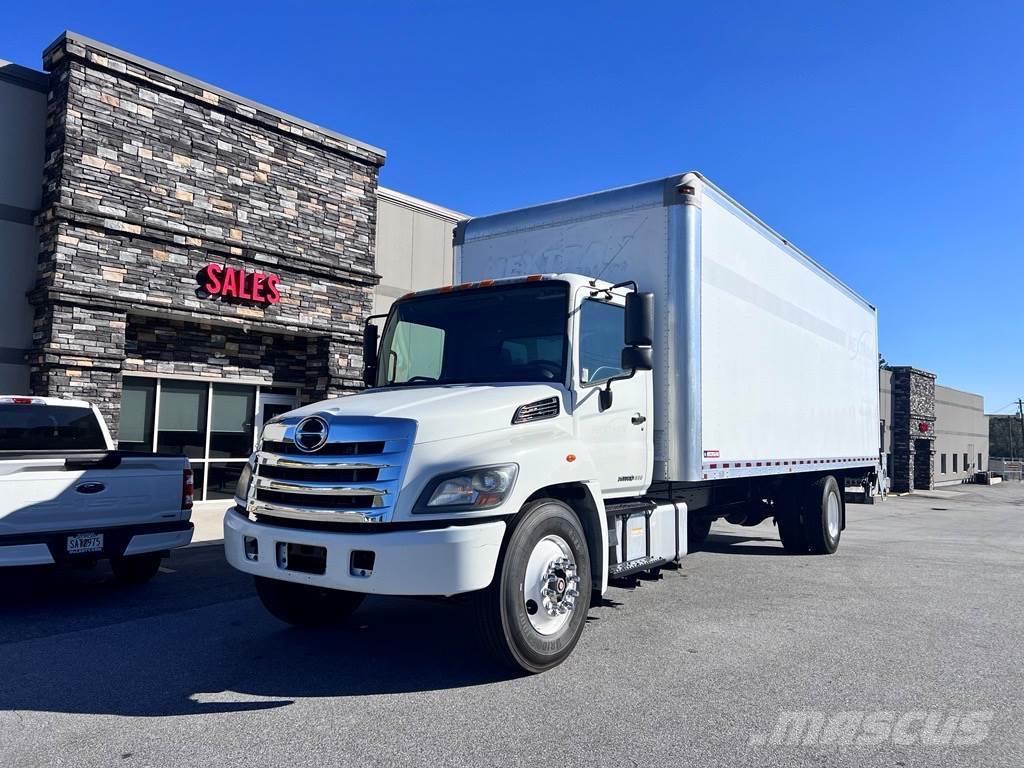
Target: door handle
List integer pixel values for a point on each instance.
(638, 419)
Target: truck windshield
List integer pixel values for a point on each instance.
(49, 428)
(506, 333)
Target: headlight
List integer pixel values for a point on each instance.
(242, 487)
(471, 489)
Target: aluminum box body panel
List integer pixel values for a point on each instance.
(765, 363)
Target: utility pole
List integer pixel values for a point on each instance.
(1020, 412)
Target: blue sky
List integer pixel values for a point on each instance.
(885, 139)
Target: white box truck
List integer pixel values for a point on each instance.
(604, 377)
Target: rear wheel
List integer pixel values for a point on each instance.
(304, 606)
(135, 569)
(811, 520)
(533, 612)
(791, 531)
(823, 516)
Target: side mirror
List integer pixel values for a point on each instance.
(639, 319)
(369, 354)
(637, 359)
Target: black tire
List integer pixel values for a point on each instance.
(822, 538)
(791, 530)
(304, 606)
(136, 569)
(501, 608)
(697, 531)
(789, 520)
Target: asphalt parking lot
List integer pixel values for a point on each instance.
(919, 618)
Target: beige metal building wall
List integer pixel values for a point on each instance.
(414, 246)
(22, 135)
(961, 435)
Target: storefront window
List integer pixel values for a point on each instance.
(138, 402)
(223, 479)
(217, 443)
(231, 423)
(182, 419)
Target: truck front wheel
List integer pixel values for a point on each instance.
(304, 606)
(534, 611)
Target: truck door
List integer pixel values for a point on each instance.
(617, 437)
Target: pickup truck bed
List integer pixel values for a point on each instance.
(82, 500)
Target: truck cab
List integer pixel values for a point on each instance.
(501, 418)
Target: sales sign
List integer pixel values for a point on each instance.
(235, 283)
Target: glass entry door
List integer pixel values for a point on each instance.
(268, 406)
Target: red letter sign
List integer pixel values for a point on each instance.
(231, 282)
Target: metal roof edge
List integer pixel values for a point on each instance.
(416, 203)
(24, 76)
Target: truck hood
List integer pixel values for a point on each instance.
(454, 410)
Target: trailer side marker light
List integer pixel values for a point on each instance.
(486, 283)
(571, 458)
(534, 278)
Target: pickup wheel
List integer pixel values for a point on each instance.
(304, 606)
(823, 516)
(135, 569)
(534, 611)
(697, 531)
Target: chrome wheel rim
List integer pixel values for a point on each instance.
(832, 515)
(551, 585)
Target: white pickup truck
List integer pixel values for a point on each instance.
(66, 495)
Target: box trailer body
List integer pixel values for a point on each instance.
(765, 363)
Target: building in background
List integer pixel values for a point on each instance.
(931, 435)
(414, 246)
(1006, 436)
(22, 136)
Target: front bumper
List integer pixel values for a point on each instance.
(436, 561)
(49, 547)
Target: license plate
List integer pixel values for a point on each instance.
(85, 542)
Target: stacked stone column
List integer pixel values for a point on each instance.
(913, 429)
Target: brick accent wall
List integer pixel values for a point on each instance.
(148, 178)
(913, 405)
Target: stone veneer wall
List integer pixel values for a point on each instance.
(149, 177)
(913, 404)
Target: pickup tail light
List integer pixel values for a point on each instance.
(187, 489)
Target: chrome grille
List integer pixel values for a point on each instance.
(354, 477)
(288, 448)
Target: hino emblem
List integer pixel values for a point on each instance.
(311, 434)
